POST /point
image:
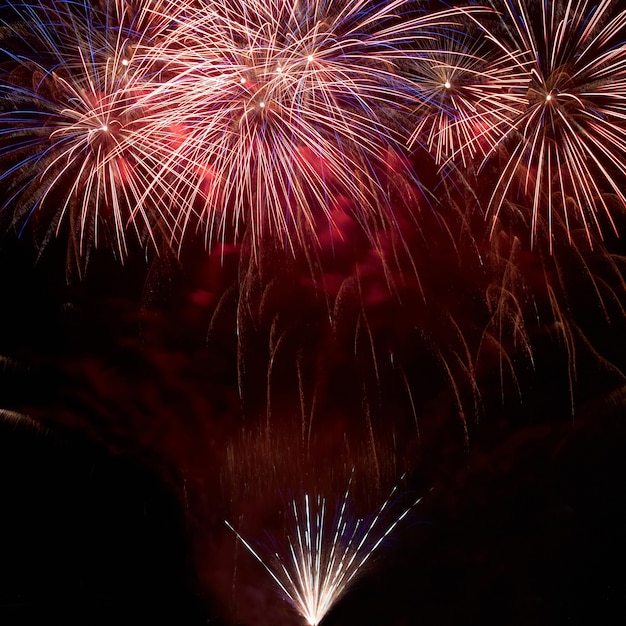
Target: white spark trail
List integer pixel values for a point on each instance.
(325, 554)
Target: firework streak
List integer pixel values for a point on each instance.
(325, 552)
(172, 116)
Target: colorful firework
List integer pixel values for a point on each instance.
(69, 130)
(281, 108)
(265, 117)
(325, 551)
(564, 154)
(470, 97)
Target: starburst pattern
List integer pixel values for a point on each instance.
(325, 552)
(469, 97)
(283, 107)
(70, 128)
(565, 151)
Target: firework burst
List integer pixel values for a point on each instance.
(564, 153)
(469, 98)
(326, 550)
(279, 108)
(69, 135)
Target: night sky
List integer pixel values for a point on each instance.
(145, 399)
(114, 487)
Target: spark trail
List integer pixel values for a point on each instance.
(70, 130)
(325, 551)
(565, 151)
(282, 107)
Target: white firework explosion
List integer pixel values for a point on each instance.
(325, 551)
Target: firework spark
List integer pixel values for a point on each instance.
(280, 108)
(469, 97)
(325, 551)
(565, 152)
(69, 130)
